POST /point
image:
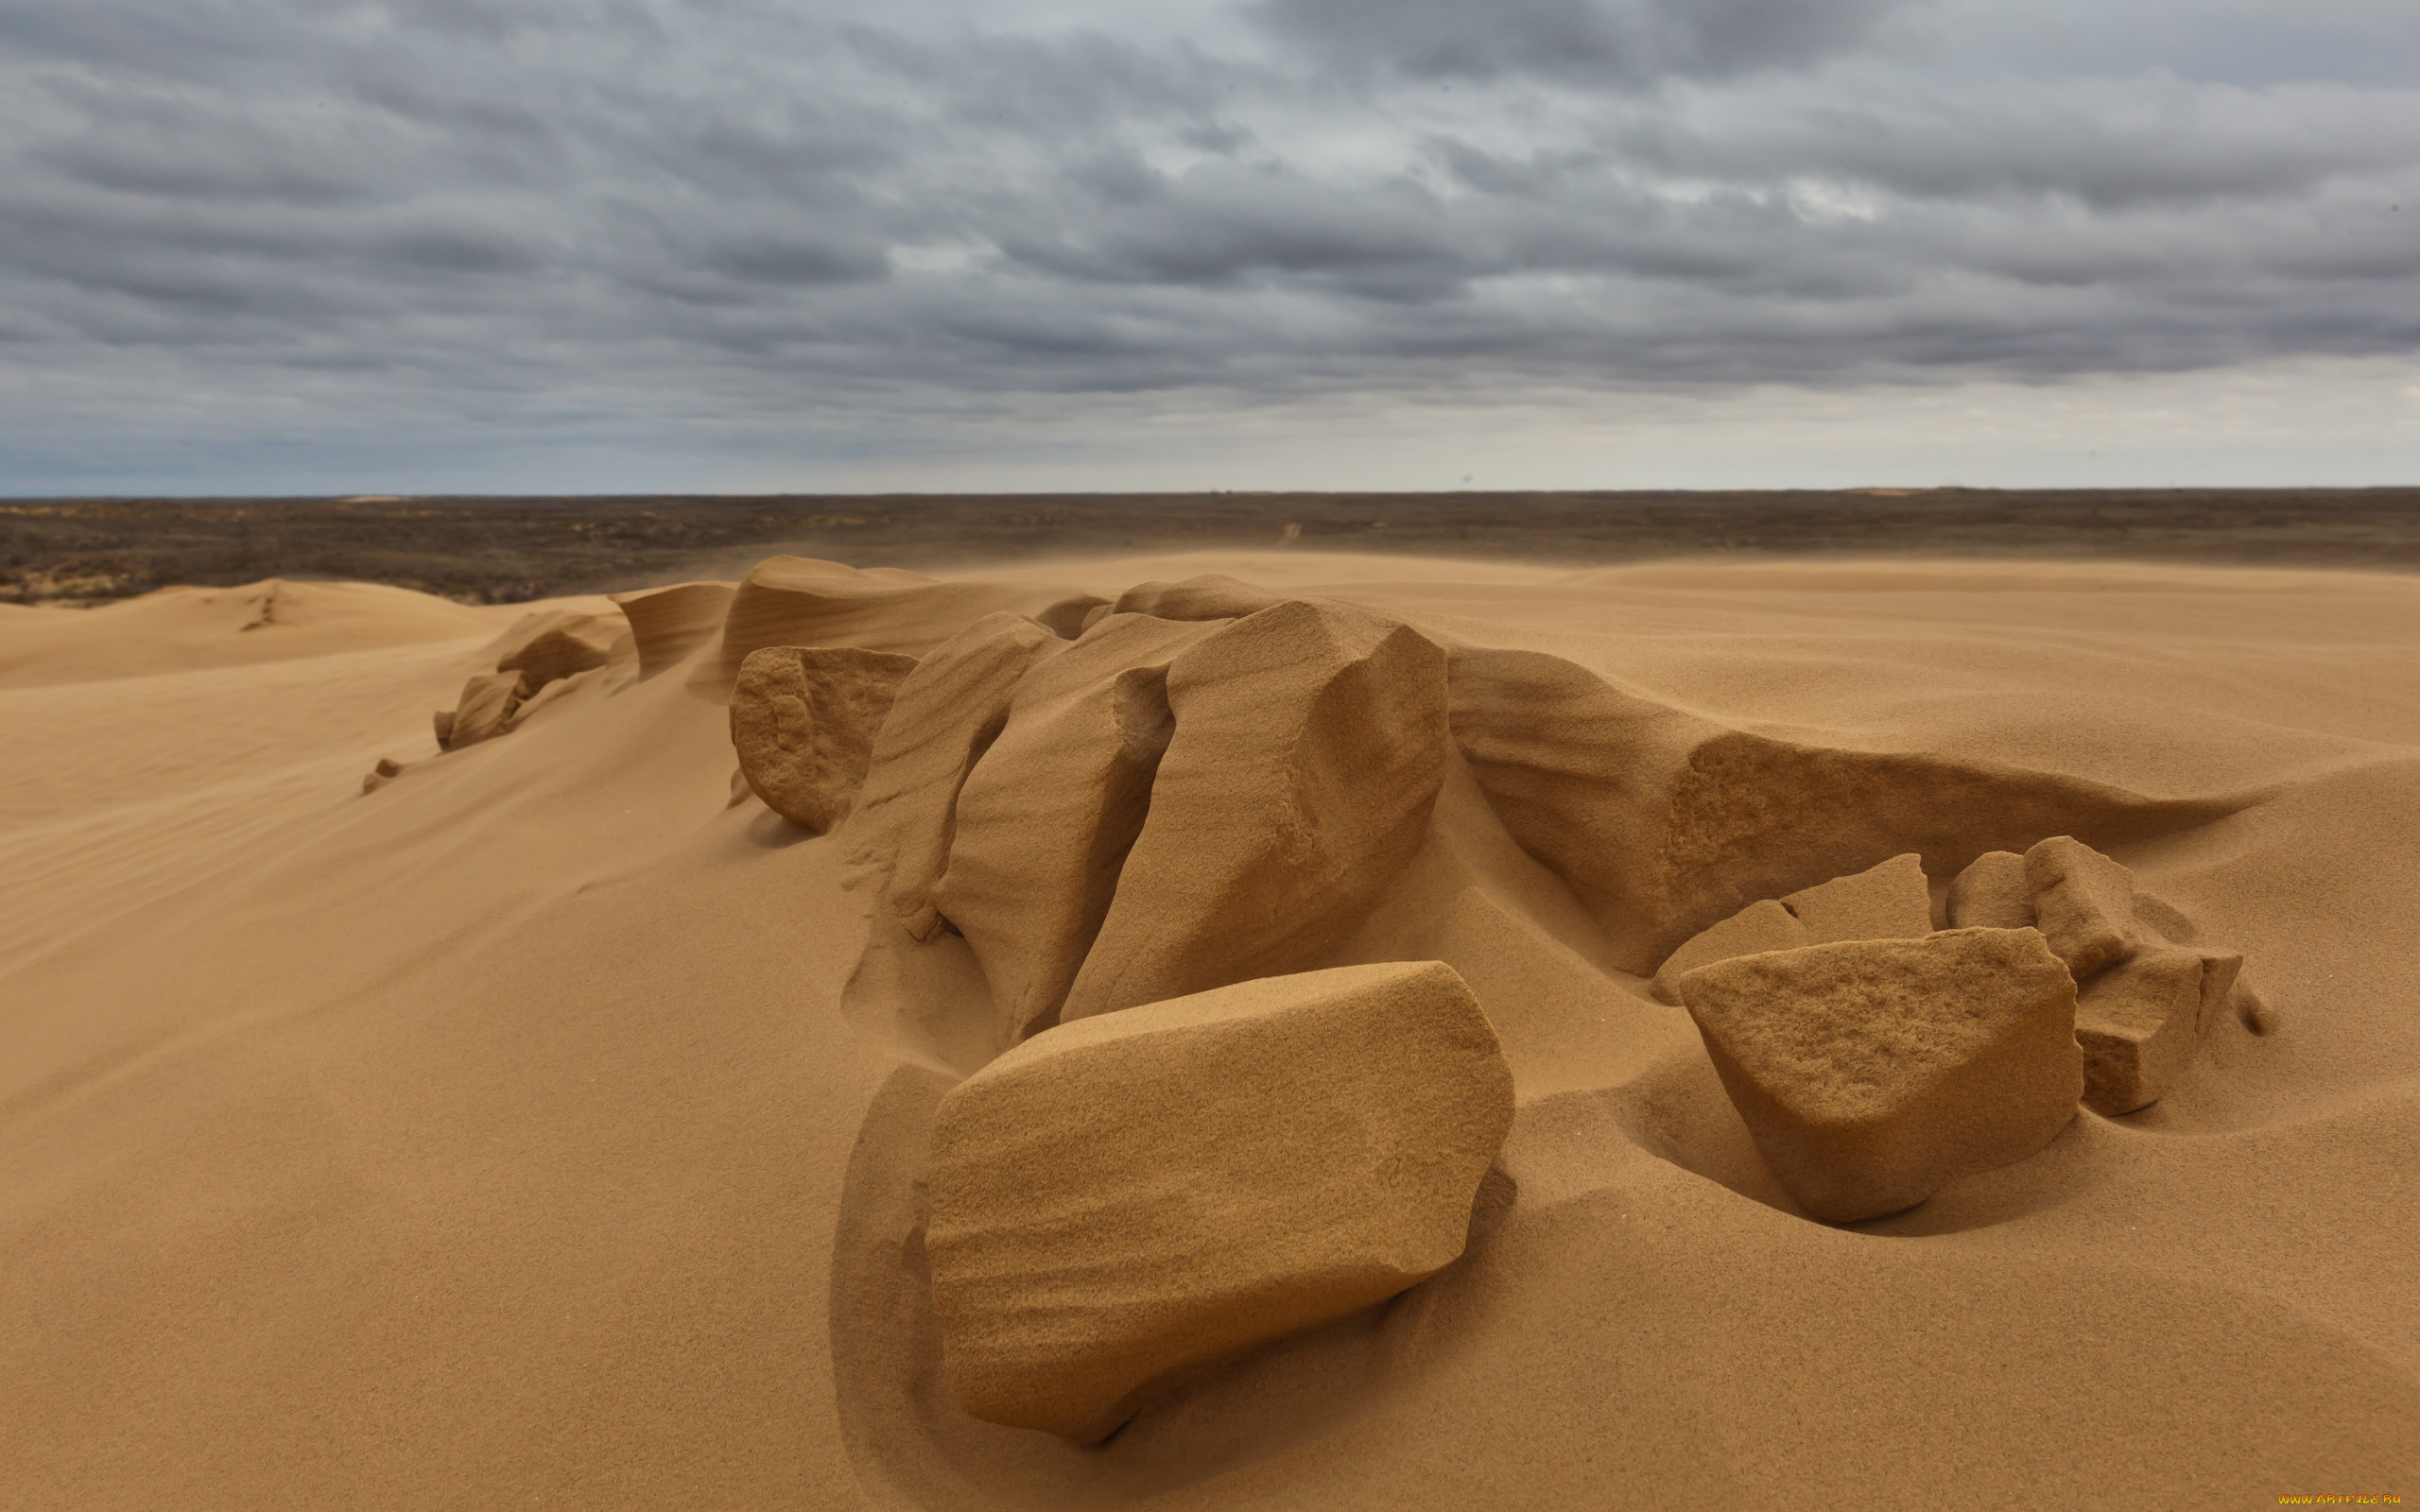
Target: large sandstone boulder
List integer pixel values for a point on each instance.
(1872, 1073)
(944, 716)
(1665, 821)
(1310, 742)
(1123, 1198)
(668, 624)
(803, 723)
(1048, 815)
(2141, 1022)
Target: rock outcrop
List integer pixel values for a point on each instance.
(1047, 817)
(1872, 1073)
(1664, 821)
(944, 717)
(1309, 745)
(803, 723)
(669, 624)
(1991, 893)
(801, 601)
(1211, 596)
(1126, 1197)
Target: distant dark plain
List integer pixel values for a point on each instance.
(508, 549)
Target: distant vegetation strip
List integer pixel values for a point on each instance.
(510, 549)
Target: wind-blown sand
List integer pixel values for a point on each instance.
(500, 1137)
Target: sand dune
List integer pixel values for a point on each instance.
(546, 1127)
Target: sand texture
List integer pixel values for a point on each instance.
(1225, 1019)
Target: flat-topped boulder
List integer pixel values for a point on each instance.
(1887, 901)
(1310, 742)
(1873, 1072)
(804, 721)
(1123, 1198)
(2141, 1023)
(1764, 925)
(1046, 818)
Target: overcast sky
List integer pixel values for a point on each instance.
(580, 245)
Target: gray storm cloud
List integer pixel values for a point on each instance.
(295, 215)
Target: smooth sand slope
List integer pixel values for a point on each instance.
(552, 1125)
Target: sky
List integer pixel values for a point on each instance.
(582, 246)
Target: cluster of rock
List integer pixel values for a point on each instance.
(1875, 1059)
(1140, 828)
(534, 661)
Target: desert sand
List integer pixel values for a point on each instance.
(550, 1124)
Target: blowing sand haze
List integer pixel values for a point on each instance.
(1217, 1032)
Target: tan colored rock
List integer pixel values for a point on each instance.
(2141, 1023)
(2084, 902)
(1759, 927)
(803, 723)
(1211, 596)
(1310, 742)
(669, 624)
(1664, 821)
(944, 716)
(1047, 817)
(379, 776)
(1889, 900)
(443, 722)
(556, 643)
(487, 703)
(1873, 1072)
(1122, 1199)
(801, 601)
(1991, 893)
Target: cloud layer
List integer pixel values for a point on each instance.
(306, 220)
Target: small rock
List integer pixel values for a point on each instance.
(1310, 743)
(803, 723)
(1991, 893)
(379, 776)
(1873, 1072)
(2141, 1022)
(2084, 902)
(1120, 1199)
(1757, 928)
(1886, 901)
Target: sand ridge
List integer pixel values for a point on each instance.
(499, 1135)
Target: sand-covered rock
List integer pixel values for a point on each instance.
(1048, 815)
(944, 716)
(1763, 925)
(1991, 893)
(1888, 901)
(2084, 902)
(485, 708)
(669, 623)
(1310, 741)
(801, 601)
(1120, 1199)
(1664, 821)
(556, 643)
(1210, 597)
(804, 722)
(2141, 1023)
(1872, 1073)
